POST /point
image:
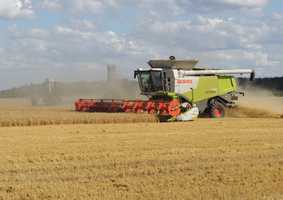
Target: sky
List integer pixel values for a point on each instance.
(74, 40)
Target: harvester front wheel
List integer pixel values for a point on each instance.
(216, 110)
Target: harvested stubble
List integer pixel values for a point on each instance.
(33, 116)
(205, 159)
(18, 112)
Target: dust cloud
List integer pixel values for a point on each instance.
(258, 103)
(262, 99)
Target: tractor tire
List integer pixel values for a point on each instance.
(217, 110)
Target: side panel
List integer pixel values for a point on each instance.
(195, 88)
(226, 84)
(206, 87)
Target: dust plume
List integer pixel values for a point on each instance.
(258, 103)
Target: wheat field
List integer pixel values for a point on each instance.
(111, 156)
(19, 112)
(15, 112)
(206, 159)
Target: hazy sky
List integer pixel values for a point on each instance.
(75, 39)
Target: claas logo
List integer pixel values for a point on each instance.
(184, 81)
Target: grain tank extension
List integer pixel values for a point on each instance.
(177, 90)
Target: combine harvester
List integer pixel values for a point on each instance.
(177, 90)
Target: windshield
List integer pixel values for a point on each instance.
(156, 77)
(145, 81)
(150, 81)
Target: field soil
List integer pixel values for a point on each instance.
(232, 158)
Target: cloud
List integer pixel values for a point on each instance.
(67, 46)
(87, 5)
(52, 4)
(245, 3)
(90, 6)
(11, 9)
(215, 41)
(182, 7)
(203, 33)
(86, 39)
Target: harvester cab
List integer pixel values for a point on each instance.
(161, 77)
(151, 81)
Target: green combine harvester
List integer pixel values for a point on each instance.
(177, 90)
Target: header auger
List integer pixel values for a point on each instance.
(176, 90)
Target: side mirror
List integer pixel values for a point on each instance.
(252, 78)
(135, 74)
